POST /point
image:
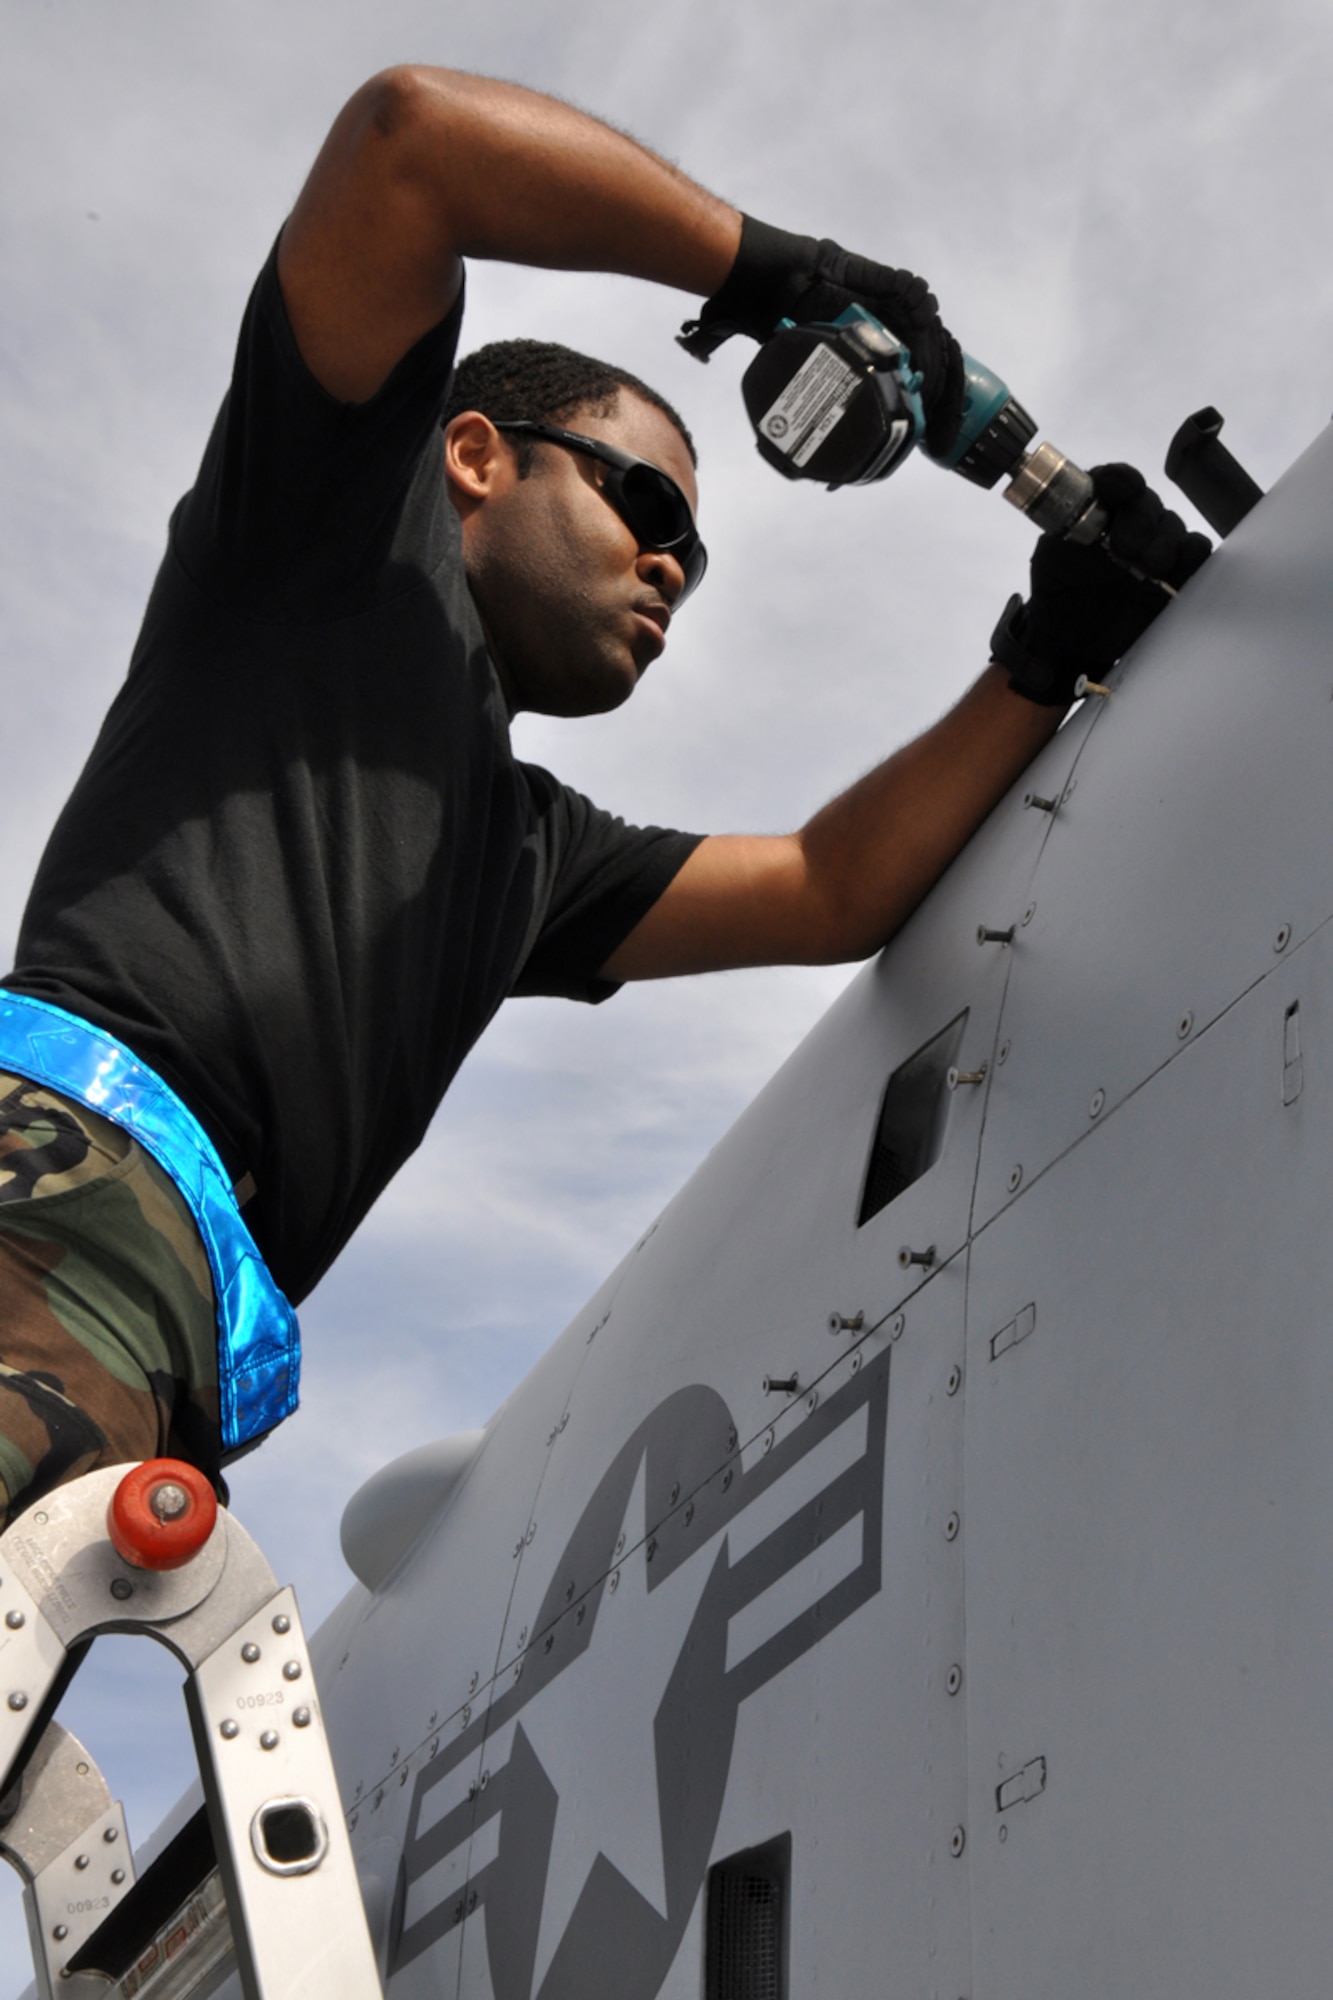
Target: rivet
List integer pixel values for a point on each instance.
(117, 1876)
(472, 1901)
(435, 1714)
(121, 1589)
(548, 1642)
(1029, 913)
(485, 1779)
(458, 1912)
(282, 1624)
(1283, 938)
(18, 1700)
(896, 1325)
(812, 1400)
(580, 1614)
(81, 1862)
(1041, 805)
(731, 1440)
(675, 1493)
(951, 1527)
(404, 1775)
(689, 1512)
(614, 1583)
(41, 1519)
(269, 1740)
(249, 1652)
(957, 1842)
(1098, 1104)
(472, 1684)
(60, 1933)
(352, 1822)
(955, 1381)
(856, 1362)
(569, 1590)
(465, 1715)
(620, 1542)
(168, 1501)
(109, 1835)
(651, 1549)
(531, 1532)
(727, 1478)
(987, 936)
(954, 1679)
(767, 1446)
(292, 1670)
(434, 1749)
(1004, 1835)
(1184, 1025)
(523, 1636)
(1015, 1179)
(518, 1671)
(301, 1718)
(14, 1620)
(472, 1789)
(378, 1799)
(1003, 1056)
(1068, 792)
(230, 1730)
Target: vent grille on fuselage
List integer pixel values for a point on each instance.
(909, 1136)
(747, 1924)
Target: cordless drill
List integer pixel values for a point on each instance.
(840, 401)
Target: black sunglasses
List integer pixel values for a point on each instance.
(650, 503)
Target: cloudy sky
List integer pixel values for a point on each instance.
(1125, 210)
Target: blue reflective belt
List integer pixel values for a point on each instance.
(259, 1343)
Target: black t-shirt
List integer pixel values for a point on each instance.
(302, 867)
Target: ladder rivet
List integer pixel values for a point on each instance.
(292, 1671)
(301, 1719)
(269, 1740)
(250, 1653)
(80, 1861)
(169, 1501)
(60, 1933)
(109, 1835)
(282, 1623)
(121, 1589)
(117, 1876)
(14, 1620)
(231, 1730)
(18, 1700)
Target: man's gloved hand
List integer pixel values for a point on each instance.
(780, 276)
(1087, 607)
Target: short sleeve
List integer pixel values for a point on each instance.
(306, 508)
(598, 876)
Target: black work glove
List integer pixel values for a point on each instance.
(780, 276)
(1087, 605)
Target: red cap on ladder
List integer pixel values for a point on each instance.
(161, 1514)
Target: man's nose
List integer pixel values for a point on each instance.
(662, 570)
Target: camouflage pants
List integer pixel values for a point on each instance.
(108, 1340)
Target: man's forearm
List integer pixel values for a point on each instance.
(424, 167)
(875, 851)
(530, 180)
(842, 886)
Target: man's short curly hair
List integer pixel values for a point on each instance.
(544, 383)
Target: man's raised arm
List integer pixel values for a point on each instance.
(424, 167)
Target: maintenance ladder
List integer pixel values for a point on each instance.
(262, 1880)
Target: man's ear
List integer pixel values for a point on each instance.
(478, 462)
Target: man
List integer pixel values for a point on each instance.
(302, 869)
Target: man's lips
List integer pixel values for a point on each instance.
(656, 618)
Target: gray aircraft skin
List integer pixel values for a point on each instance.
(1007, 1633)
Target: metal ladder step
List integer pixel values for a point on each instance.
(77, 1566)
